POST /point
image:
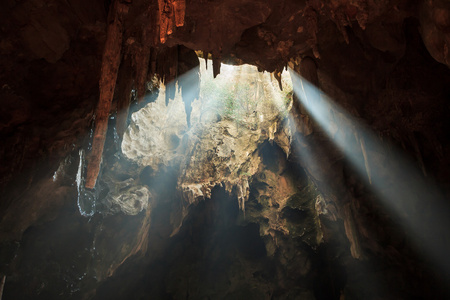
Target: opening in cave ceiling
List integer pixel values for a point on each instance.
(211, 136)
(240, 102)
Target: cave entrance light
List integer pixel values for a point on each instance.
(239, 109)
(234, 113)
(239, 94)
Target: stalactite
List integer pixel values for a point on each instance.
(171, 73)
(110, 67)
(341, 20)
(304, 92)
(170, 12)
(153, 55)
(2, 285)
(163, 22)
(169, 17)
(243, 191)
(180, 10)
(308, 70)
(125, 82)
(216, 64)
(310, 15)
(277, 75)
(303, 123)
(141, 74)
(143, 58)
(189, 85)
(205, 57)
(366, 159)
(351, 232)
(418, 154)
(272, 131)
(170, 91)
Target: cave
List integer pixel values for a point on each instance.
(205, 149)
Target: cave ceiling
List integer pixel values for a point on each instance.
(73, 72)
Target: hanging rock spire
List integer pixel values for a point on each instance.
(110, 67)
(170, 12)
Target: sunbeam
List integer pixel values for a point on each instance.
(393, 178)
(206, 149)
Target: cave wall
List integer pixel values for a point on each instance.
(386, 63)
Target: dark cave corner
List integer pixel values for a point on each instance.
(149, 152)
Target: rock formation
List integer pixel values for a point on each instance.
(124, 175)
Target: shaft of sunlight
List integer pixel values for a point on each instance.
(399, 185)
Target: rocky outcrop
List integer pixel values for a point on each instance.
(435, 21)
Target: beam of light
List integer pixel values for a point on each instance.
(311, 156)
(307, 156)
(212, 92)
(275, 94)
(151, 125)
(400, 187)
(306, 151)
(233, 97)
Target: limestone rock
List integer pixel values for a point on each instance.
(153, 138)
(221, 146)
(128, 198)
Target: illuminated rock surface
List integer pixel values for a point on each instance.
(246, 202)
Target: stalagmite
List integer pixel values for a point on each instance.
(108, 77)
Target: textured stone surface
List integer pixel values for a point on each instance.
(220, 147)
(384, 62)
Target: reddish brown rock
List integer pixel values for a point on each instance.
(110, 68)
(385, 62)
